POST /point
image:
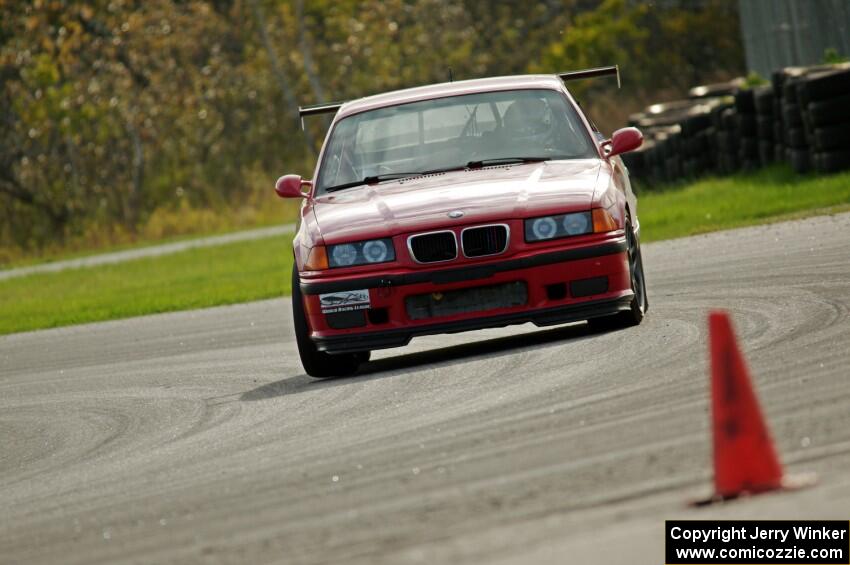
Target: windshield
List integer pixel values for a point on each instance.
(449, 133)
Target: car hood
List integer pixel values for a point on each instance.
(483, 195)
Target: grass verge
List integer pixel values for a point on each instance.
(197, 278)
(769, 195)
(164, 225)
(253, 270)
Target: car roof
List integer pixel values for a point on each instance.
(460, 87)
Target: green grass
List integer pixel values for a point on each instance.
(254, 270)
(769, 195)
(196, 278)
(164, 225)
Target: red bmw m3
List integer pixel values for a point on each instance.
(461, 206)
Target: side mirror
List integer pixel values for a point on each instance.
(289, 186)
(625, 140)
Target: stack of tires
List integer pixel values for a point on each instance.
(716, 90)
(797, 151)
(670, 147)
(660, 123)
(645, 172)
(661, 154)
(725, 121)
(803, 118)
(748, 145)
(778, 82)
(765, 132)
(825, 99)
(697, 140)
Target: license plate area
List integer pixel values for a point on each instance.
(466, 300)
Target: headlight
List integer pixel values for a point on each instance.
(552, 227)
(343, 255)
(376, 251)
(544, 228)
(576, 224)
(361, 253)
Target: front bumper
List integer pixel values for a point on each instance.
(368, 341)
(568, 269)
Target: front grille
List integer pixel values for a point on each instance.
(484, 240)
(433, 247)
(463, 301)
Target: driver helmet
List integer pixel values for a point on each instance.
(528, 118)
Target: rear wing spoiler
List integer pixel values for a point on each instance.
(326, 108)
(333, 107)
(592, 73)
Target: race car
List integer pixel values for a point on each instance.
(460, 206)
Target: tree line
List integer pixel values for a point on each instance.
(113, 109)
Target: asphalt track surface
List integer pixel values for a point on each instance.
(196, 438)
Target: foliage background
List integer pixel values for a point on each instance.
(144, 119)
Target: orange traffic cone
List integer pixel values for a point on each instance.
(745, 460)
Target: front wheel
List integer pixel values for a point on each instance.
(318, 363)
(640, 303)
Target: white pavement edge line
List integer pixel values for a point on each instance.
(151, 251)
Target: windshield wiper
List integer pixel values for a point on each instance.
(393, 176)
(505, 161)
(371, 180)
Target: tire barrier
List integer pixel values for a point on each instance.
(802, 118)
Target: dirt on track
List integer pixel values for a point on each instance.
(195, 437)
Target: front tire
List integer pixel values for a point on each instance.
(640, 303)
(317, 363)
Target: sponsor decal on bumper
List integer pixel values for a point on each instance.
(345, 301)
